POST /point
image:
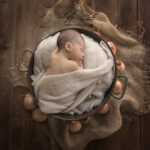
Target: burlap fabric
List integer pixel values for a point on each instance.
(70, 13)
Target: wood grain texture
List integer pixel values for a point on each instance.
(128, 14)
(91, 3)
(145, 16)
(7, 51)
(109, 8)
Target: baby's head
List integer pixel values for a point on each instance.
(72, 43)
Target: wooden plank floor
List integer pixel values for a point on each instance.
(20, 28)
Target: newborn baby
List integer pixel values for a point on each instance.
(69, 54)
(63, 87)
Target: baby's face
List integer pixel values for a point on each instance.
(78, 49)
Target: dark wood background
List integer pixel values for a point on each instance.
(19, 23)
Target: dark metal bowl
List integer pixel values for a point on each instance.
(107, 95)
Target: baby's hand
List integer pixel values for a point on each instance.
(80, 64)
(80, 67)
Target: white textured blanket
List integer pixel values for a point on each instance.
(74, 92)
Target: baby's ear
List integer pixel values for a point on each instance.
(68, 46)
